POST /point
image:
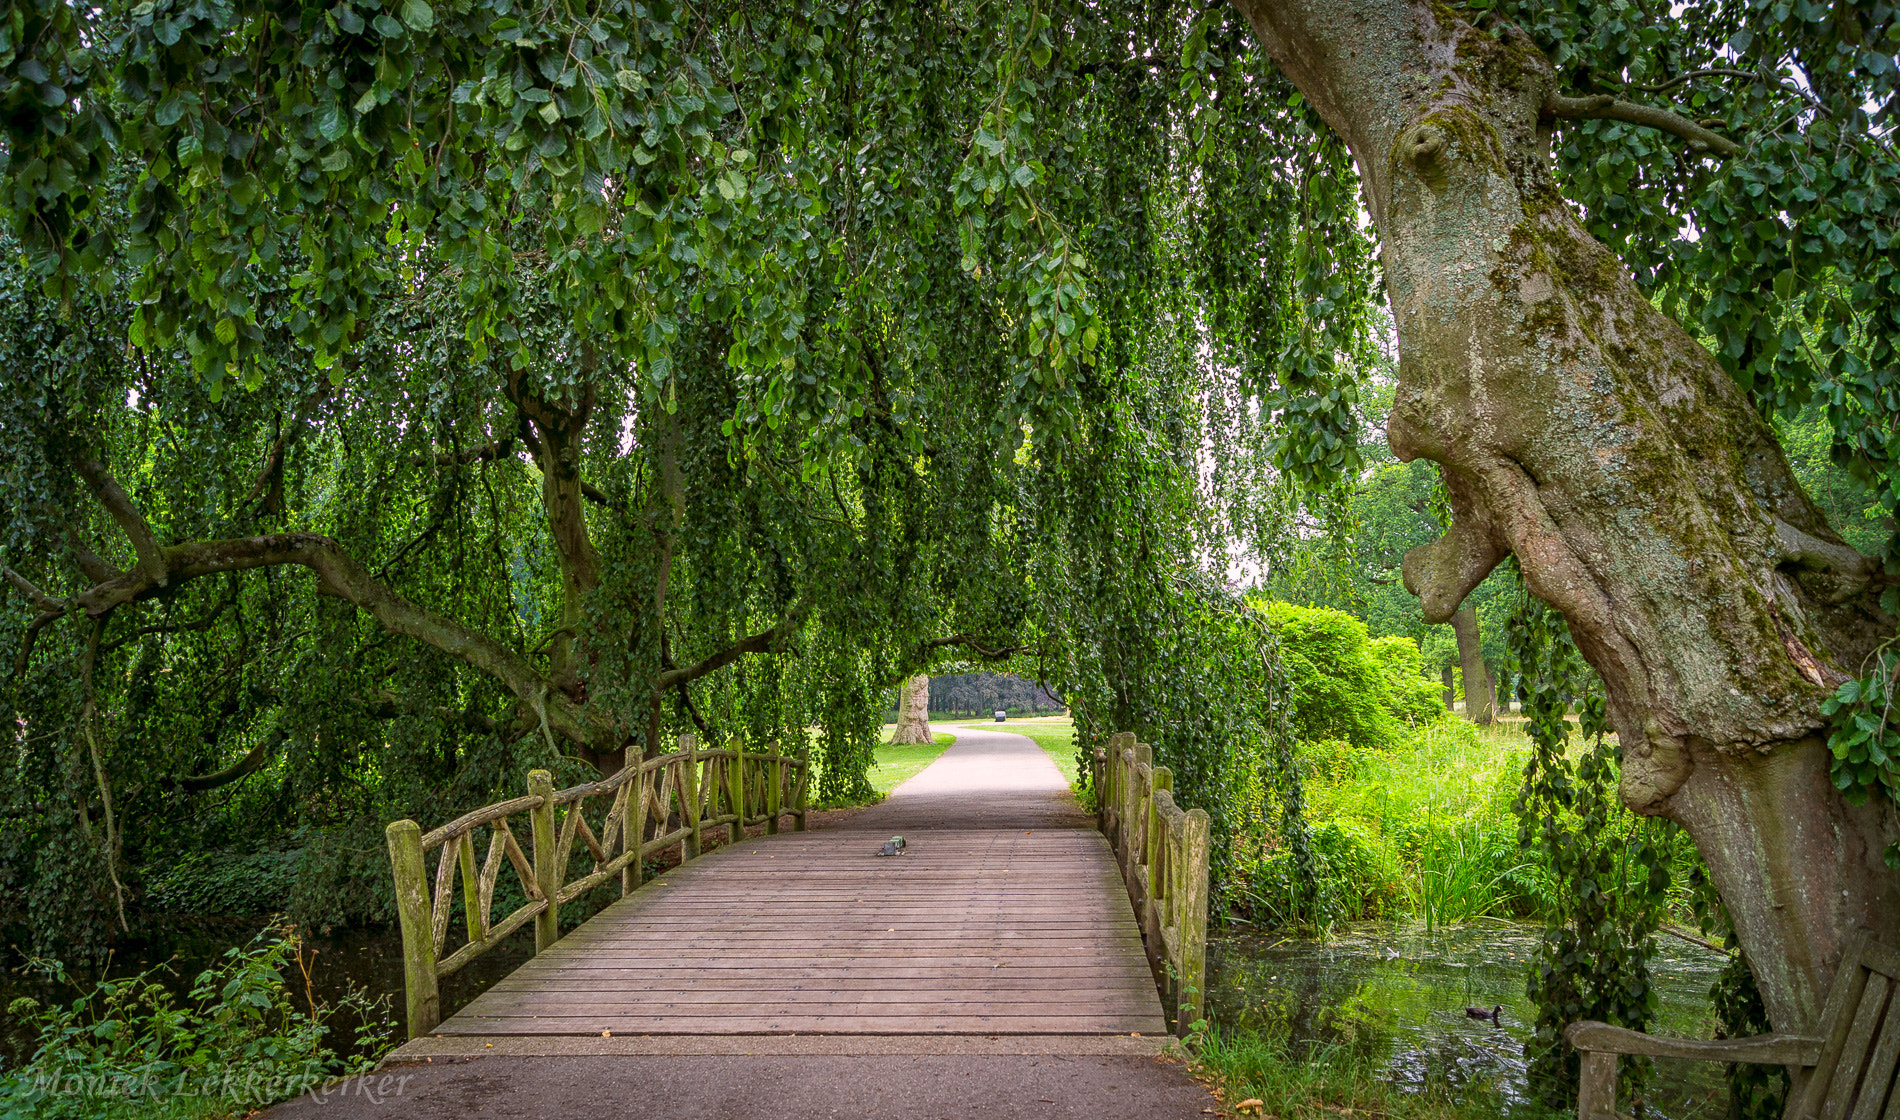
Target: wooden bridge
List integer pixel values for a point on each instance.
(1009, 912)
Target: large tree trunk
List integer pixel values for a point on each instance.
(1643, 496)
(1478, 693)
(913, 711)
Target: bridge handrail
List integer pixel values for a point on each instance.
(1163, 853)
(691, 789)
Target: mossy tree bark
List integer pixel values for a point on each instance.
(1590, 435)
(913, 711)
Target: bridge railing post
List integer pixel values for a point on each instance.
(689, 797)
(547, 924)
(802, 797)
(1163, 853)
(775, 788)
(424, 1004)
(1193, 940)
(735, 791)
(635, 830)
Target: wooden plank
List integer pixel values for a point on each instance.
(1877, 1083)
(1843, 996)
(1840, 1089)
(974, 930)
(872, 989)
(813, 1024)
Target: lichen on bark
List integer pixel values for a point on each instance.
(1585, 432)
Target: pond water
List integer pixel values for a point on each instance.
(1396, 996)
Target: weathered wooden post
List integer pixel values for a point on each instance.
(735, 791)
(1193, 968)
(1097, 779)
(471, 887)
(1143, 808)
(547, 924)
(1153, 917)
(689, 797)
(418, 930)
(775, 789)
(635, 832)
(802, 797)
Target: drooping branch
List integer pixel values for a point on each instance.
(119, 504)
(272, 473)
(340, 575)
(192, 626)
(765, 641)
(1604, 106)
(488, 452)
(985, 649)
(252, 761)
(32, 592)
(50, 609)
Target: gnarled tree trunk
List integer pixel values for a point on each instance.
(913, 711)
(1587, 433)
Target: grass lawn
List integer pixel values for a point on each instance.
(896, 765)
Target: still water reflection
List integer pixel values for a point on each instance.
(1396, 997)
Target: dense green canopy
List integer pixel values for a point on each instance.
(624, 374)
(626, 368)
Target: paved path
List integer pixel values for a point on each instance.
(994, 970)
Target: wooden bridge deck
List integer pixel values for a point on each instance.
(1006, 915)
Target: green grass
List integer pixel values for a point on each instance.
(896, 765)
(1423, 830)
(1327, 1083)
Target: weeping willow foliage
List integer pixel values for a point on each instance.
(528, 386)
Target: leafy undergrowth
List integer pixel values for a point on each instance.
(1421, 830)
(1256, 1076)
(238, 1039)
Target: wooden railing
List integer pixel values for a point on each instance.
(1163, 856)
(656, 803)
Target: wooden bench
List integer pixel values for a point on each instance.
(1844, 1072)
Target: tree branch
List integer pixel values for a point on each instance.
(765, 641)
(40, 599)
(494, 449)
(983, 653)
(1606, 107)
(339, 574)
(1443, 572)
(274, 459)
(253, 761)
(119, 504)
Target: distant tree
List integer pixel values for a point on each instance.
(913, 712)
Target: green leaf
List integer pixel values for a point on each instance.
(418, 15)
(330, 123)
